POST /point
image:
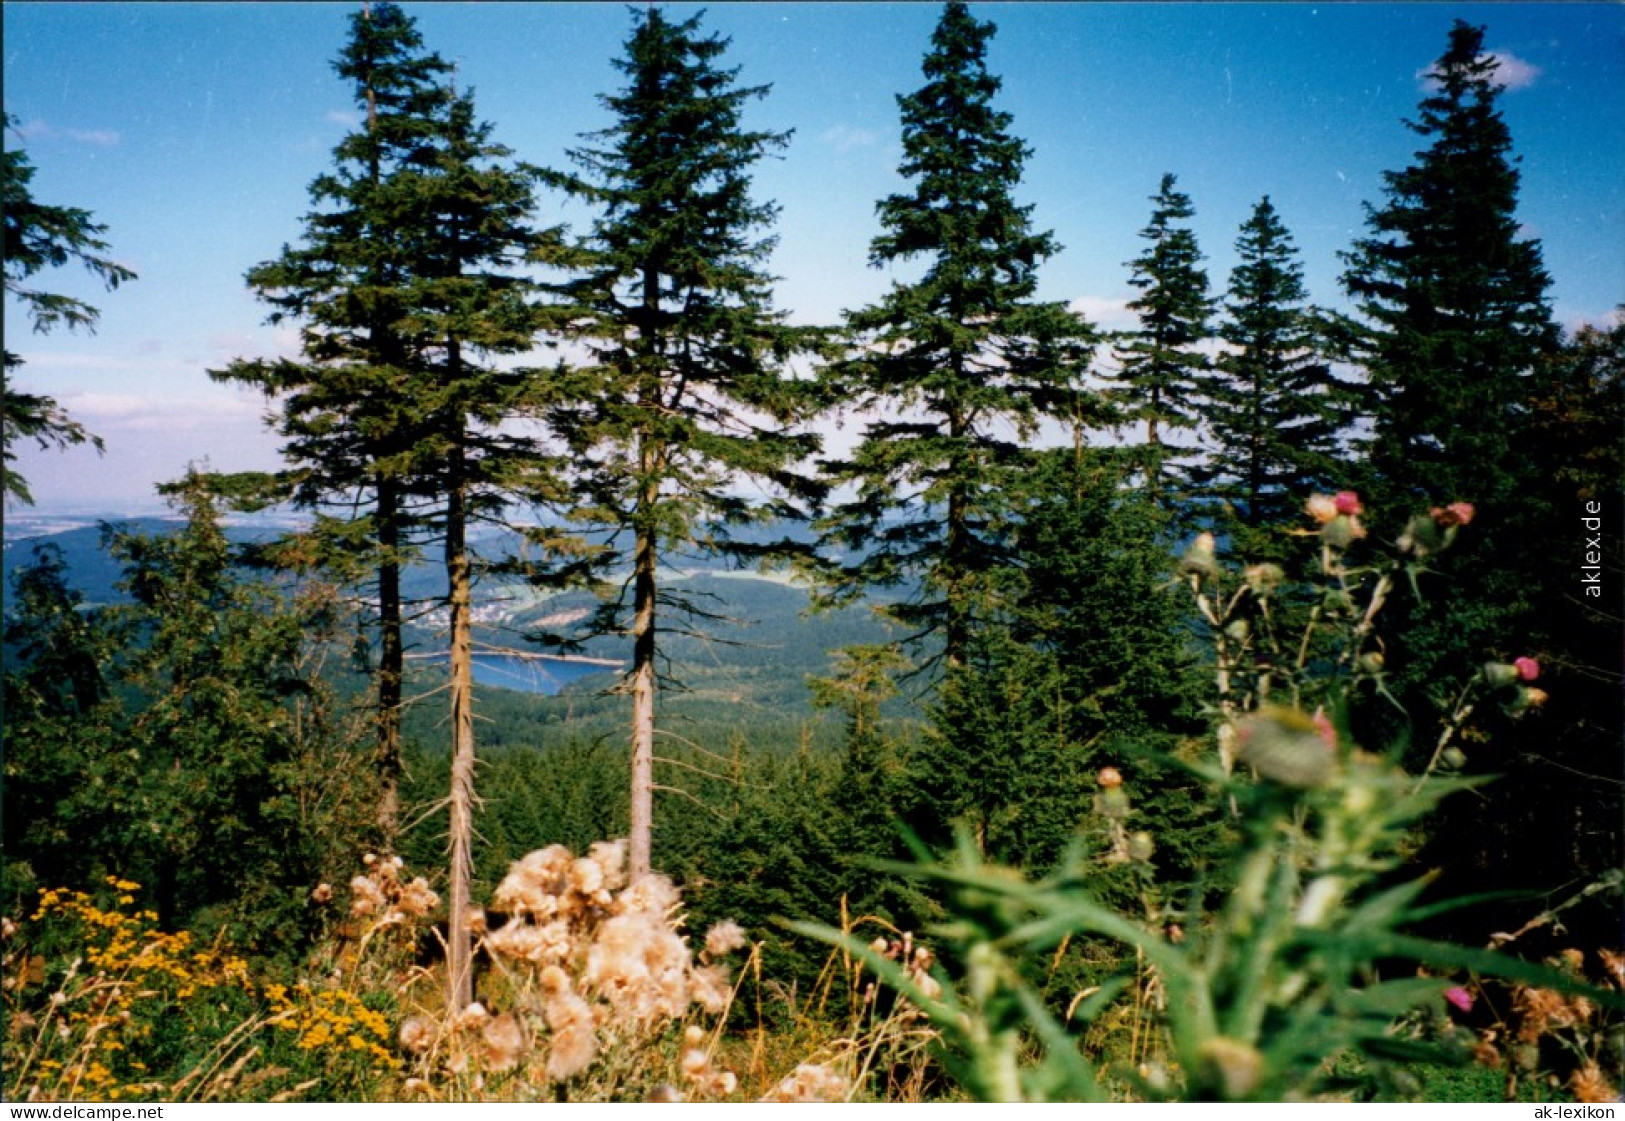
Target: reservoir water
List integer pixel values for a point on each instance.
(543, 674)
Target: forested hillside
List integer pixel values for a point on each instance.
(959, 700)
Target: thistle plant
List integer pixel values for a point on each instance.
(1309, 960)
(1260, 664)
(1302, 965)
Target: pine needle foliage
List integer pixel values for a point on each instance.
(957, 369)
(1452, 302)
(1273, 409)
(1162, 370)
(347, 409)
(679, 392)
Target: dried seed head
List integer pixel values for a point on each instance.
(1590, 1087)
(710, 988)
(471, 1018)
(417, 1034)
(504, 1042)
(810, 1082)
(610, 856)
(724, 938)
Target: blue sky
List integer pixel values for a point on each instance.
(193, 131)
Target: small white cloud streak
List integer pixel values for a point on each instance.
(106, 413)
(38, 129)
(1512, 72)
(843, 138)
(1110, 312)
(100, 137)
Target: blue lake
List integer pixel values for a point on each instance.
(544, 675)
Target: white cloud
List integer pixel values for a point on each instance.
(100, 137)
(1510, 73)
(844, 138)
(38, 129)
(106, 413)
(348, 118)
(1110, 312)
(230, 342)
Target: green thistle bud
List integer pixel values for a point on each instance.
(1141, 846)
(1112, 802)
(1342, 531)
(1499, 674)
(1422, 535)
(1201, 559)
(1264, 578)
(1288, 747)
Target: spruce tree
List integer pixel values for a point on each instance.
(37, 237)
(1162, 370)
(1452, 324)
(1272, 407)
(468, 215)
(961, 365)
(408, 288)
(682, 394)
(347, 408)
(1455, 335)
(1548, 817)
(1453, 305)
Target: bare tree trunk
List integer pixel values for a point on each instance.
(390, 661)
(956, 628)
(459, 953)
(643, 682)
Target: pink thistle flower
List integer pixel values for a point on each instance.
(1459, 997)
(1324, 728)
(1321, 507)
(1455, 514)
(1347, 502)
(1109, 777)
(1528, 669)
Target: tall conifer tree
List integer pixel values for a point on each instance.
(1162, 371)
(1272, 407)
(1453, 301)
(347, 407)
(961, 365)
(682, 394)
(468, 216)
(1454, 330)
(407, 288)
